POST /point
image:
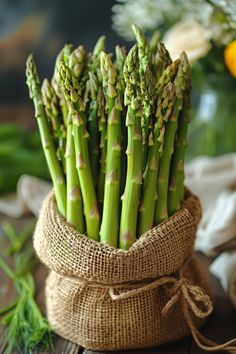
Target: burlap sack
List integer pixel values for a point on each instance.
(108, 299)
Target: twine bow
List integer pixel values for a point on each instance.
(199, 302)
(192, 297)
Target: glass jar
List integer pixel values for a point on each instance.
(212, 130)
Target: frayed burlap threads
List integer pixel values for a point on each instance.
(108, 299)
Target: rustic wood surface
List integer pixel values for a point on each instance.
(220, 327)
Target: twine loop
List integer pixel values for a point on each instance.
(199, 302)
(192, 297)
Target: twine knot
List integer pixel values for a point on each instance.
(199, 302)
(192, 297)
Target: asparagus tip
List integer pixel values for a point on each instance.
(100, 45)
(139, 35)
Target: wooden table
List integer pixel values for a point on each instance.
(220, 327)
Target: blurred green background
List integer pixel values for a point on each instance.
(42, 27)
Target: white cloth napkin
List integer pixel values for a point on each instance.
(224, 268)
(29, 197)
(213, 180)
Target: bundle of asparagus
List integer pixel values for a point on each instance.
(114, 136)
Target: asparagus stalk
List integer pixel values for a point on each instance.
(52, 110)
(161, 212)
(176, 183)
(130, 199)
(147, 88)
(46, 139)
(111, 208)
(154, 41)
(76, 61)
(74, 214)
(92, 85)
(161, 60)
(119, 64)
(93, 63)
(50, 102)
(120, 60)
(93, 127)
(66, 52)
(185, 117)
(99, 47)
(149, 190)
(103, 146)
(168, 75)
(61, 57)
(72, 91)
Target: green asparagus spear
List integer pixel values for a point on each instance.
(93, 63)
(103, 145)
(93, 127)
(74, 214)
(147, 88)
(73, 95)
(52, 109)
(131, 197)
(47, 143)
(111, 207)
(164, 107)
(120, 60)
(167, 76)
(99, 47)
(176, 183)
(66, 52)
(161, 60)
(154, 41)
(161, 212)
(93, 123)
(61, 57)
(76, 61)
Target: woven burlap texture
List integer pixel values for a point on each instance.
(87, 280)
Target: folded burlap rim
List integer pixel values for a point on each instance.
(160, 251)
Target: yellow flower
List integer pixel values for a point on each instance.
(230, 57)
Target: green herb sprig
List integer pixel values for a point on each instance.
(26, 328)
